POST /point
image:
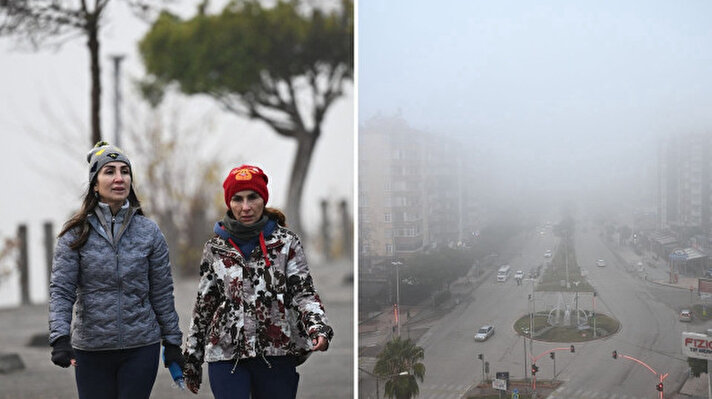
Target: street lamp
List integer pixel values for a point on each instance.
(532, 313)
(398, 324)
(482, 357)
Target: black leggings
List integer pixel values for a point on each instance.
(117, 374)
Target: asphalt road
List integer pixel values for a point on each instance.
(451, 362)
(648, 312)
(325, 375)
(650, 332)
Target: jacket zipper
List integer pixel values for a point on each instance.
(119, 285)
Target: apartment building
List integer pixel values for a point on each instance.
(417, 191)
(685, 183)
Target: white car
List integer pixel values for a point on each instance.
(519, 275)
(547, 254)
(685, 315)
(601, 263)
(484, 333)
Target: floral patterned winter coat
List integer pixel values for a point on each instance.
(248, 307)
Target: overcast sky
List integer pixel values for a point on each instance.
(47, 93)
(559, 92)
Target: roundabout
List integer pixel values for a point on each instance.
(542, 330)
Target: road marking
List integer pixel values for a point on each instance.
(443, 391)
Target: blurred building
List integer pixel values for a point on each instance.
(685, 183)
(685, 200)
(416, 191)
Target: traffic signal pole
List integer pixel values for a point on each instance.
(535, 368)
(661, 376)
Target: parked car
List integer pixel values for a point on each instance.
(484, 333)
(518, 275)
(685, 315)
(547, 254)
(601, 263)
(708, 273)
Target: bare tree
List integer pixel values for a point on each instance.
(53, 22)
(178, 188)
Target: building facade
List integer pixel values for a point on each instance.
(417, 191)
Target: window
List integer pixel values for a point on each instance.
(389, 249)
(387, 217)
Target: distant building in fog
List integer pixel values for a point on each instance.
(685, 184)
(416, 191)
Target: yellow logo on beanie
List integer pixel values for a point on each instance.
(244, 174)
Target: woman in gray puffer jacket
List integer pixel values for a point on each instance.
(111, 270)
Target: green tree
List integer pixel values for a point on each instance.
(284, 66)
(40, 22)
(400, 364)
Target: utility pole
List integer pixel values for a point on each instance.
(594, 316)
(566, 253)
(117, 98)
(482, 358)
(524, 339)
(398, 323)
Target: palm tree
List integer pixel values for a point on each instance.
(399, 363)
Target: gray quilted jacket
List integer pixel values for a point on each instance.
(118, 284)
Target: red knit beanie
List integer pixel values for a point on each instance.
(245, 177)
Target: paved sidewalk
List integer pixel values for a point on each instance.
(325, 375)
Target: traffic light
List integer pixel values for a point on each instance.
(659, 387)
(615, 354)
(535, 368)
(573, 349)
(479, 356)
(551, 355)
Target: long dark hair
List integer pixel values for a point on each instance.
(276, 215)
(80, 220)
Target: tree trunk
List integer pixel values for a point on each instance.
(95, 69)
(300, 168)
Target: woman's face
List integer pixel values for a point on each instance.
(113, 183)
(247, 207)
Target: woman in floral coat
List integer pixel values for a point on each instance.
(257, 314)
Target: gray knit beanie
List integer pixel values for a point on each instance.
(101, 154)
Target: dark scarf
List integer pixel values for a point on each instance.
(243, 232)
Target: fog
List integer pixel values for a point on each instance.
(561, 118)
(563, 100)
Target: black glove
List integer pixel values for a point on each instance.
(62, 352)
(172, 353)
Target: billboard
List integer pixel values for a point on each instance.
(704, 285)
(697, 345)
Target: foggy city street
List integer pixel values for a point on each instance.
(543, 169)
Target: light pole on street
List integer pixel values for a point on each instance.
(594, 313)
(482, 357)
(531, 317)
(398, 323)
